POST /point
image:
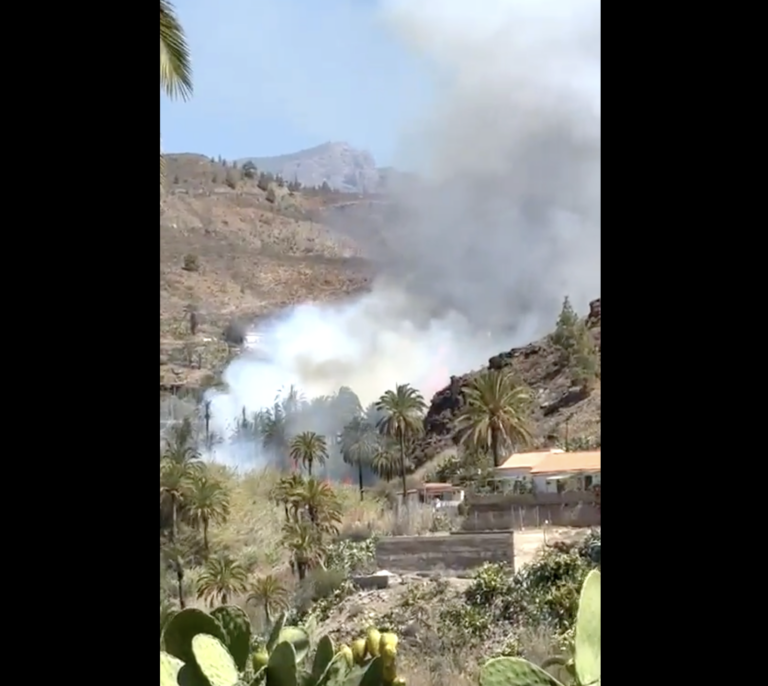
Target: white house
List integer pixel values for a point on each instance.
(517, 467)
(577, 471)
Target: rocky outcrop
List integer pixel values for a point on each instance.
(538, 366)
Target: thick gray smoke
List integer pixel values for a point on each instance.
(505, 223)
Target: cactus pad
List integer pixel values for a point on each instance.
(184, 626)
(514, 671)
(298, 638)
(587, 639)
(274, 634)
(324, 655)
(282, 669)
(237, 630)
(374, 673)
(169, 669)
(214, 660)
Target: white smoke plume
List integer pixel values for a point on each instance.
(505, 224)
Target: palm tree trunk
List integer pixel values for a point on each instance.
(205, 535)
(360, 478)
(180, 584)
(495, 447)
(301, 569)
(267, 616)
(173, 518)
(224, 598)
(401, 439)
(309, 467)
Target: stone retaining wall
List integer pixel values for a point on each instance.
(451, 552)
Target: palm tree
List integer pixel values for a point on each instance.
(221, 578)
(402, 411)
(271, 594)
(208, 502)
(305, 543)
(308, 448)
(494, 413)
(321, 504)
(175, 67)
(284, 492)
(180, 465)
(385, 463)
(359, 443)
(173, 556)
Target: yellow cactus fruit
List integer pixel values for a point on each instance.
(388, 654)
(372, 642)
(358, 650)
(259, 659)
(388, 639)
(346, 652)
(400, 681)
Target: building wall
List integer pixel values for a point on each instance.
(455, 552)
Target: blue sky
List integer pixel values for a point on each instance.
(275, 77)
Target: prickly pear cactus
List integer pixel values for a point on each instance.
(514, 671)
(237, 630)
(169, 669)
(324, 655)
(214, 661)
(587, 638)
(298, 638)
(184, 626)
(282, 669)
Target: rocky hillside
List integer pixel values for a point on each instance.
(232, 250)
(558, 404)
(339, 165)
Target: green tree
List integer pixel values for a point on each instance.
(221, 578)
(270, 594)
(273, 426)
(564, 337)
(585, 360)
(207, 502)
(175, 64)
(359, 443)
(494, 413)
(309, 448)
(320, 503)
(576, 347)
(180, 465)
(385, 462)
(305, 544)
(402, 417)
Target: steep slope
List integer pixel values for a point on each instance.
(230, 250)
(559, 407)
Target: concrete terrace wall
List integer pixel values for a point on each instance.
(493, 512)
(455, 552)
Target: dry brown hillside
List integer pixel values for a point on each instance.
(230, 249)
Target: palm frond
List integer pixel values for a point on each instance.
(175, 63)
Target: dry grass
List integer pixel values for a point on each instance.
(255, 524)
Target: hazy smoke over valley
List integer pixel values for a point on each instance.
(505, 224)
